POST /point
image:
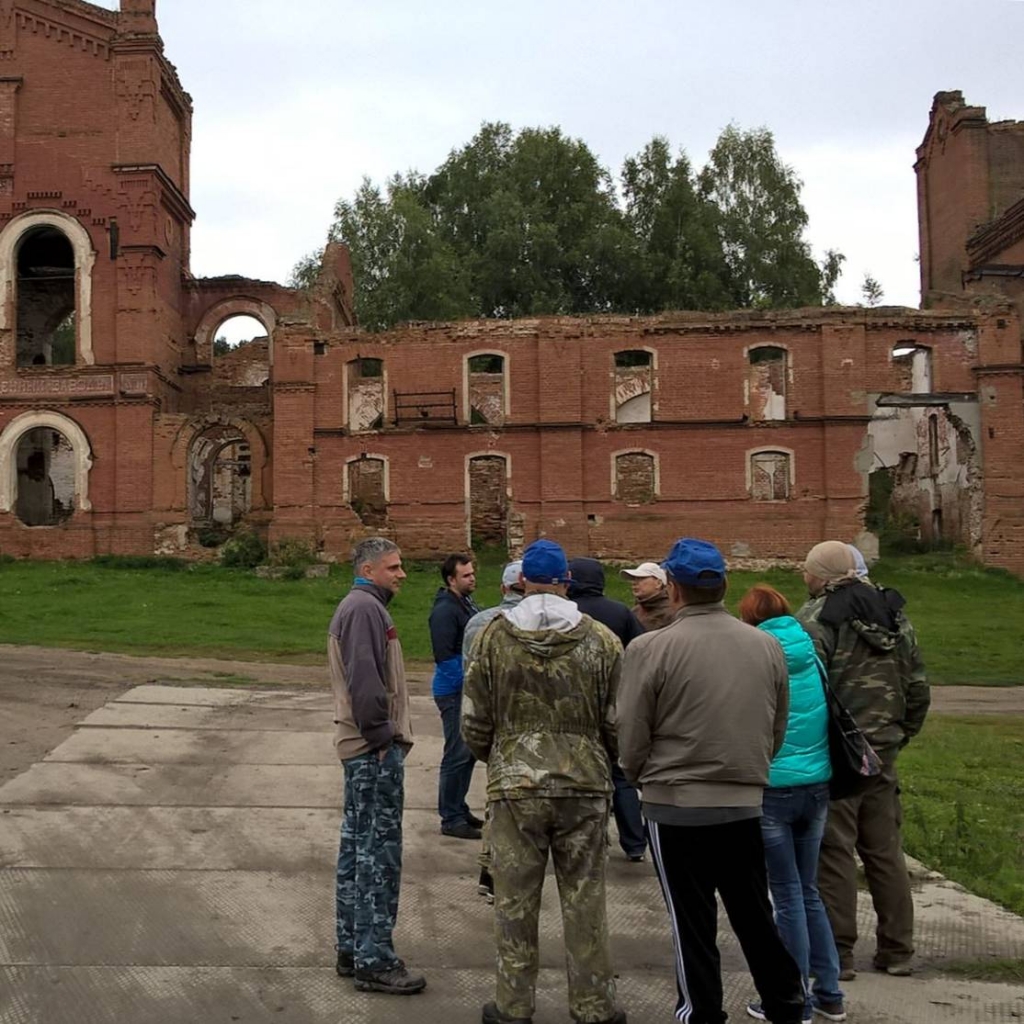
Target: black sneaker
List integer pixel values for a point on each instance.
(394, 980)
(346, 965)
(462, 831)
(472, 819)
(486, 885)
(492, 1015)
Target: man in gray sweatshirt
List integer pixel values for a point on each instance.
(701, 711)
(373, 734)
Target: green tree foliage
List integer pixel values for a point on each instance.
(529, 223)
(871, 290)
(760, 222)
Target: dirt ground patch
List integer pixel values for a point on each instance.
(45, 691)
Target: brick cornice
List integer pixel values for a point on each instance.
(989, 241)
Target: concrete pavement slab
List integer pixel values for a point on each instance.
(173, 861)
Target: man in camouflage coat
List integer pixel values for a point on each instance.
(539, 708)
(870, 650)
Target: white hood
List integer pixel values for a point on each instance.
(544, 611)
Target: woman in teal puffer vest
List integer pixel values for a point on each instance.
(795, 807)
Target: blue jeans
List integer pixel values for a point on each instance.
(456, 764)
(792, 824)
(369, 872)
(628, 819)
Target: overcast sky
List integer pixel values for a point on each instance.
(296, 101)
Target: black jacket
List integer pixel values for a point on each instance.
(587, 590)
(448, 620)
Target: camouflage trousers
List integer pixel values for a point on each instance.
(370, 858)
(521, 833)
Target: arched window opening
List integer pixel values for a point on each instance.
(367, 489)
(46, 478)
(767, 383)
(770, 476)
(46, 322)
(488, 500)
(220, 473)
(241, 351)
(365, 394)
(486, 379)
(634, 379)
(635, 478)
(913, 365)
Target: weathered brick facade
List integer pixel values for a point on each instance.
(121, 431)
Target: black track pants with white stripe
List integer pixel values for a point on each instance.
(692, 863)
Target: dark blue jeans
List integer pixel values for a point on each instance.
(369, 871)
(456, 764)
(628, 819)
(792, 824)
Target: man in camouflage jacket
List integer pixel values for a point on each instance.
(539, 708)
(870, 651)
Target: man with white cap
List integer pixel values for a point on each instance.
(702, 709)
(653, 607)
(870, 652)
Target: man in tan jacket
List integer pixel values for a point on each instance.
(701, 710)
(373, 735)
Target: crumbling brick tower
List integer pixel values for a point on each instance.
(970, 183)
(94, 236)
(119, 430)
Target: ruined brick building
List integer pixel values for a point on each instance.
(122, 431)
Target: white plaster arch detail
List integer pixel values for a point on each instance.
(225, 309)
(766, 449)
(345, 484)
(85, 259)
(489, 453)
(506, 380)
(21, 425)
(635, 451)
(613, 403)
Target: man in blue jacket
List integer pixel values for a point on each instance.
(453, 608)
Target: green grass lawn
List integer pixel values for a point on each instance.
(970, 621)
(963, 803)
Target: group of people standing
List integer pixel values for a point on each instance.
(574, 703)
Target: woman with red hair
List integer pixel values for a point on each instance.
(795, 808)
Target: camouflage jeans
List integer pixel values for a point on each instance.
(370, 858)
(521, 833)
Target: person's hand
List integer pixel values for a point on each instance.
(383, 752)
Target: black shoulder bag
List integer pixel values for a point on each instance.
(854, 760)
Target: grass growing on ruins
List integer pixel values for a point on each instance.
(969, 620)
(963, 803)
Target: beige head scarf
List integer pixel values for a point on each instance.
(831, 561)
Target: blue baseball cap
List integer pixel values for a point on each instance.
(544, 562)
(689, 558)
